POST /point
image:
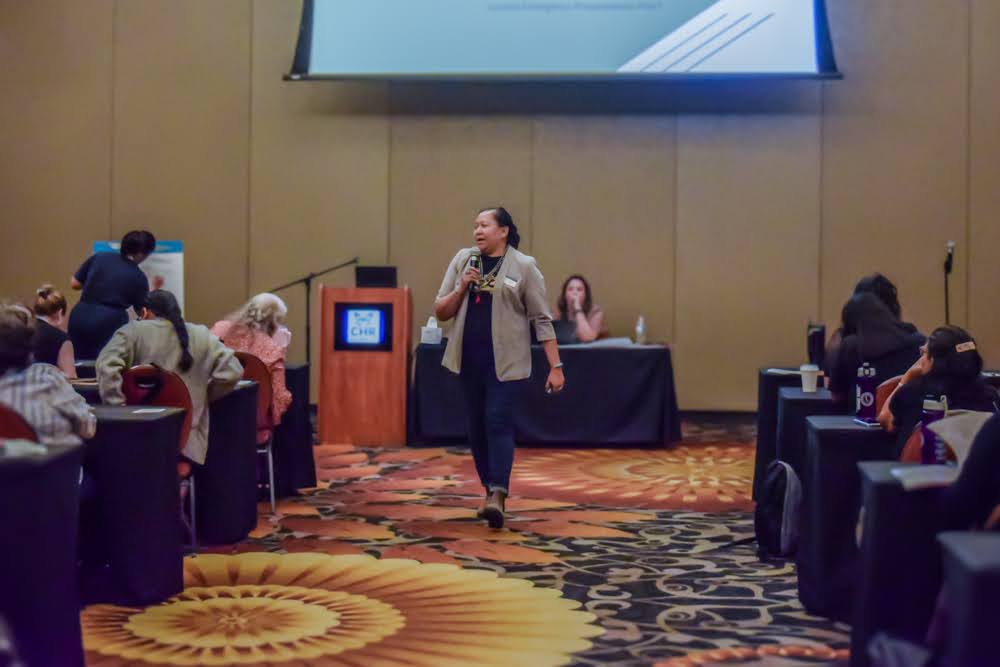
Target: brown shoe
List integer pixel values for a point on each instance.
(493, 512)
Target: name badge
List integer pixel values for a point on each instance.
(510, 282)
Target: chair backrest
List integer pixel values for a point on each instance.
(884, 391)
(14, 427)
(256, 370)
(151, 385)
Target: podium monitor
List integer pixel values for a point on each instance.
(362, 327)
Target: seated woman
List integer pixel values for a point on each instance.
(258, 328)
(949, 366)
(576, 305)
(52, 343)
(39, 392)
(163, 338)
(871, 333)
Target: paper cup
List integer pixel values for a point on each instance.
(810, 378)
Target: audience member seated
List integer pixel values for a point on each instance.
(871, 333)
(52, 343)
(111, 283)
(163, 338)
(949, 366)
(576, 305)
(39, 392)
(258, 328)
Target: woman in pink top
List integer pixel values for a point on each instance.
(258, 328)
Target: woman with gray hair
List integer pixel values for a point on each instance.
(258, 328)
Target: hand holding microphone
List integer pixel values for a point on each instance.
(470, 279)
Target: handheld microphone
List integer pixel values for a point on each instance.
(950, 259)
(476, 262)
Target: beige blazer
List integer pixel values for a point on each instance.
(519, 299)
(214, 372)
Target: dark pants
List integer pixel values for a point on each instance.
(91, 326)
(490, 407)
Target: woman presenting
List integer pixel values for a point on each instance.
(493, 292)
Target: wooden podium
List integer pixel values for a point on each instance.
(363, 385)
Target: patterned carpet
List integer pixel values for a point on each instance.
(619, 557)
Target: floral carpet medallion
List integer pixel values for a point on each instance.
(265, 608)
(610, 557)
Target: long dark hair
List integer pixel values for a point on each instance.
(588, 302)
(163, 304)
(137, 242)
(884, 289)
(504, 219)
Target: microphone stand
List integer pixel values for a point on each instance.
(307, 281)
(947, 272)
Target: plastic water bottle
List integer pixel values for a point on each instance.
(866, 387)
(933, 449)
(640, 331)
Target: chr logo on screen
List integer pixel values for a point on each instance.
(364, 327)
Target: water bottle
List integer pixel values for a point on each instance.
(933, 449)
(865, 394)
(640, 331)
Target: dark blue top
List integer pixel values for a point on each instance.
(477, 337)
(111, 280)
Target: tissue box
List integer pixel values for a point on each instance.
(431, 335)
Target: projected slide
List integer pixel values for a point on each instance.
(560, 37)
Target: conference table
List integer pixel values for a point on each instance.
(39, 511)
(294, 466)
(899, 572)
(769, 382)
(794, 407)
(294, 463)
(613, 396)
(827, 556)
(131, 533)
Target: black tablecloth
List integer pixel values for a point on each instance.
(827, 556)
(769, 381)
(39, 505)
(294, 466)
(794, 406)
(134, 520)
(972, 579)
(900, 565)
(613, 396)
(226, 486)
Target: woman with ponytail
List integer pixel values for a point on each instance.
(163, 338)
(494, 293)
(52, 343)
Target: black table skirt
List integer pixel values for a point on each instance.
(39, 510)
(613, 396)
(226, 486)
(900, 564)
(827, 557)
(294, 465)
(972, 579)
(133, 522)
(794, 406)
(769, 381)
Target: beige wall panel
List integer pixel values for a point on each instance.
(443, 171)
(982, 251)
(894, 153)
(55, 137)
(747, 252)
(181, 141)
(604, 207)
(319, 171)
